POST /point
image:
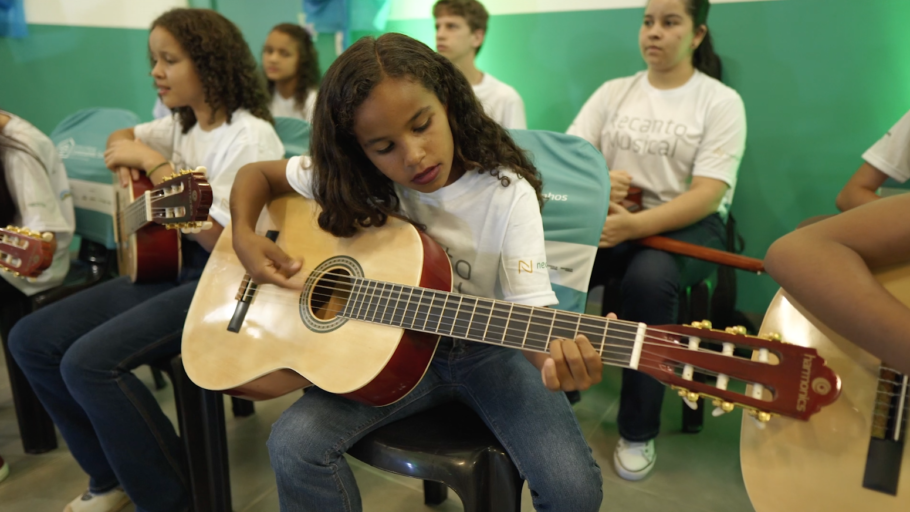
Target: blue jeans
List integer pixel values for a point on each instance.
(651, 283)
(79, 353)
(536, 426)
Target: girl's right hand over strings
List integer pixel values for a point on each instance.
(265, 262)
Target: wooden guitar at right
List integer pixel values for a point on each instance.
(854, 455)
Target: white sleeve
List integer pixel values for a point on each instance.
(40, 210)
(515, 114)
(159, 134)
(721, 150)
(591, 120)
(891, 154)
(300, 175)
(523, 271)
(249, 146)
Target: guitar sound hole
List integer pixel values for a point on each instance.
(330, 294)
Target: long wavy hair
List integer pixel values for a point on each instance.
(351, 190)
(307, 75)
(225, 65)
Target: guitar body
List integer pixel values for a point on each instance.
(820, 465)
(150, 254)
(287, 339)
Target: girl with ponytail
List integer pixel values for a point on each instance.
(676, 132)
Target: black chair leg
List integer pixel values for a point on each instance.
(35, 426)
(434, 493)
(494, 488)
(242, 408)
(203, 432)
(160, 382)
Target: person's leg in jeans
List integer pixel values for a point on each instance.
(308, 442)
(650, 291)
(78, 354)
(536, 426)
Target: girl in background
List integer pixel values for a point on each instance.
(678, 133)
(291, 67)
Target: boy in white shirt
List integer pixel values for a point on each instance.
(461, 27)
(888, 158)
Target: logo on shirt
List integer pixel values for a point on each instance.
(529, 266)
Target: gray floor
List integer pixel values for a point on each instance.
(694, 473)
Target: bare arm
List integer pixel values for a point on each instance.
(702, 199)
(827, 267)
(861, 188)
(255, 185)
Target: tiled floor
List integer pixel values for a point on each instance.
(694, 473)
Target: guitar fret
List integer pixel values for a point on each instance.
(463, 318)
(496, 327)
(455, 316)
(388, 311)
(482, 313)
(539, 328)
(592, 327)
(397, 316)
(427, 314)
(603, 341)
(357, 294)
(564, 326)
(519, 322)
(378, 300)
(505, 328)
(370, 306)
(435, 316)
(410, 309)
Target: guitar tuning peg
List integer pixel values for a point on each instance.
(201, 169)
(47, 236)
(772, 336)
(704, 324)
(738, 329)
(722, 407)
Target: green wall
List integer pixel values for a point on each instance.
(821, 80)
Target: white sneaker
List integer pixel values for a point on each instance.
(633, 461)
(111, 501)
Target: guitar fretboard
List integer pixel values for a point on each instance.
(489, 321)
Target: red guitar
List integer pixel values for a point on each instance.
(147, 218)
(374, 305)
(24, 252)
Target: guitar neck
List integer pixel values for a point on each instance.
(491, 321)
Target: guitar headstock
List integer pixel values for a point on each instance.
(784, 379)
(24, 252)
(182, 201)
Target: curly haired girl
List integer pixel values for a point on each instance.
(291, 67)
(79, 353)
(399, 132)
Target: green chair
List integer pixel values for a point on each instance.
(294, 134)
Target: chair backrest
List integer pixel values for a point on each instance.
(576, 183)
(81, 140)
(294, 134)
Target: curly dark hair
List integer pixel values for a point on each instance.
(350, 189)
(307, 63)
(226, 66)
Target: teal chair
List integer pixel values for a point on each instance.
(450, 446)
(294, 134)
(81, 140)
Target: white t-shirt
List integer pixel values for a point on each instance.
(891, 154)
(501, 102)
(665, 137)
(42, 198)
(492, 234)
(223, 151)
(286, 107)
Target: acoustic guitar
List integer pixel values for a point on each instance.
(147, 219)
(25, 253)
(854, 456)
(373, 307)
